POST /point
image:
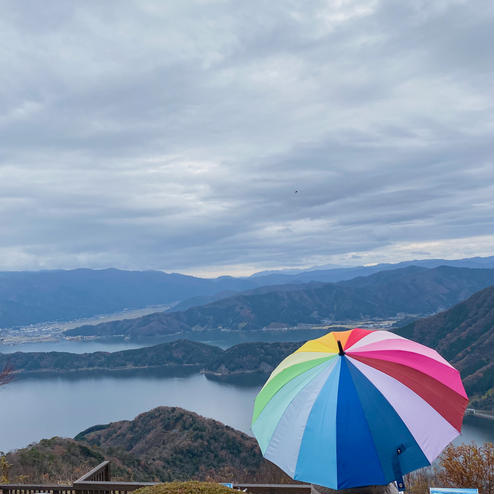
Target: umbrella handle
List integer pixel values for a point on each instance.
(397, 469)
(341, 352)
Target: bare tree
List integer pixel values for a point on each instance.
(469, 465)
(7, 374)
(466, 465)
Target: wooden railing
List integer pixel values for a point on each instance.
(100, 473)
(33, 488)
(98, 481)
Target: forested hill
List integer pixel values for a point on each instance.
(175, 357)
(411, 290)
(464, 335)
(163, 444)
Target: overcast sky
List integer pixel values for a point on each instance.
(212, 137)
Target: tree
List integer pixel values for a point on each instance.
(6, 375)
(464, 466)
(4, 469)
(468, 465)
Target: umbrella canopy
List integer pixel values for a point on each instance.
(358, 407)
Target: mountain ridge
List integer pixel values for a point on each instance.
(341, 273)
(411, 290)
(31, 297)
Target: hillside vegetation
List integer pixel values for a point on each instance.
(184, 444)
(175, 357)
(249, 358)
(164, 444)
(411, 290)
(193, 487)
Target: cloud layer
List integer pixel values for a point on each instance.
(221, 136)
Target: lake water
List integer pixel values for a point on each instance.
(32, 409)
(70, 346)
(221, 339)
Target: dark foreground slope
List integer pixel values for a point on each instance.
(410, 290)
(464, 335)
(163, 444)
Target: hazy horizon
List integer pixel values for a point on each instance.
(288, 269)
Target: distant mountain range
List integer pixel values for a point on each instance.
(411, 290)
(164, 444)
(29, 297)
(334, 274)
(464, 335)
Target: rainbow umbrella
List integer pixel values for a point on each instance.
(358, 407)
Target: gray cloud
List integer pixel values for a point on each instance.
(174, 135)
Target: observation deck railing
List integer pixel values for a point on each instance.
(98, 481)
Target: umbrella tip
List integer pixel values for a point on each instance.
(341, 351)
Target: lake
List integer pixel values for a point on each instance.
(70, 346)
(33, 409)
(222, 339)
